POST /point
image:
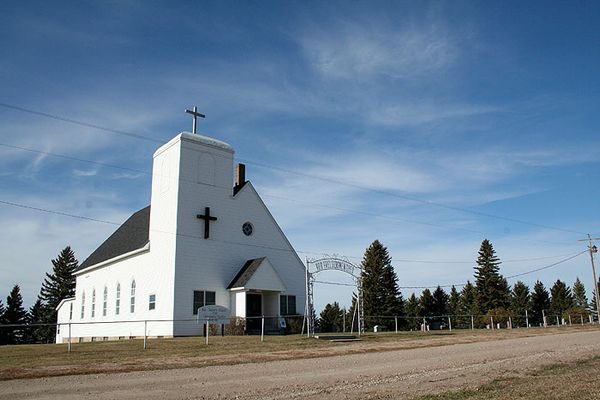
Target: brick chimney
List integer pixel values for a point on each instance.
(240, 177)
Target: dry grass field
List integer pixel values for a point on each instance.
(33, 361)
(576, 380)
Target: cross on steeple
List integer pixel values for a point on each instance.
(207, 218)
(195, 114)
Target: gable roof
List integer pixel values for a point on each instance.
(257, 274)
(132, 235)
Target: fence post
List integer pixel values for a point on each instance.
(581, 315)
(509, 322)
(207, 329)
(450, 323)
(545, 321)
(262, 329)
(472, 323)
(570, 324)
(69, 344)
(526, 319)
(557, 321)
(396, 322)
(145, 334)
(492, 321)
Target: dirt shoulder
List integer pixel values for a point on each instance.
(386, 373)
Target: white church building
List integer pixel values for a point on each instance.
(203, 240)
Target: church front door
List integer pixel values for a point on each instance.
(253, 312)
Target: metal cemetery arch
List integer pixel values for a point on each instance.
(334, 263)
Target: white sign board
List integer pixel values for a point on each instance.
(214, 314)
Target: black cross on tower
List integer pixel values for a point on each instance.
(195, 114)
(207, 218)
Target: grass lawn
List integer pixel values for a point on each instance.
(563, 381)
(30, 361)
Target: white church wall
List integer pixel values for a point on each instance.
(150, 279)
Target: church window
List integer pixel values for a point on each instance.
(70, 311)
(118, 301)
(93, 303)
(152, 302)
(82, 305)
(203, 298)
(247, 228)
(132, 308)
(104, 301)
(287, 305)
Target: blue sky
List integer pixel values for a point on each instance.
(408, 122)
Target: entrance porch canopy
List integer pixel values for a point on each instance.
(257, 281)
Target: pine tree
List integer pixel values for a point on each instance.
(593, 307)
(454, 302)
(580, 300)
(440, 302)
(15, 314)
(57, 286)
(35, 334)
(519, 303)
(412, 311)
(426, 304)
(491, 288)
(540, 302)
(562, 299)
(467, 306)
(381, 295)
(331, 318)
(3, 331)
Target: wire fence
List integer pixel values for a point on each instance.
(73, 332)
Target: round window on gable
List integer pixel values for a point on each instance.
(247, 228)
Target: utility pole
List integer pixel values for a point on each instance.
(593, 249)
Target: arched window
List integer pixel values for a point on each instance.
(104, 301)
(93, 303)
(118, 302)
(132, 308)
(82, 305)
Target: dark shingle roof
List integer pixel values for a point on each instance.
(244, 275)
(132, 235)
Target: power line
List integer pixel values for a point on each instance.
(507, 277)
(395, 219)
(70, 158)
(81, 123)
(326, 179)
(64, 214)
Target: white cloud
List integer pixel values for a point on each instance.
(418, 112)
(350, 51)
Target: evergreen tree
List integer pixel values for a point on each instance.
(331, 318)
(381, 295)
(440, 302)
(562, 299)
(580, 300)
(491, 288)
(15, 315)
(593, 307)
(466, 306)
(540, 301)
(412, 311)
(454, 302)
(426, 304)
(3, 331)
(35, 334)
(519, 303)
(58, 285)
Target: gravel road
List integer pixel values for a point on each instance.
(383, 375)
